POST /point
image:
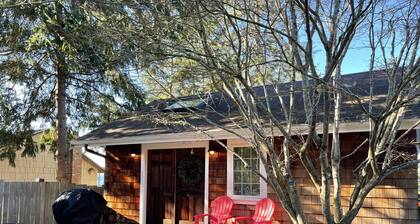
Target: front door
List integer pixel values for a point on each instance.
(161, 187)
(189, 184)
(175, 189)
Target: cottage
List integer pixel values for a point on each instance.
(166, 172)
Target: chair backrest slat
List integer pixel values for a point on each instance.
(221, 207)
(264, 210)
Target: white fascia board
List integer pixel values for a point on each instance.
(156, 138)
(221, 134)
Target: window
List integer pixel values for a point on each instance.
(100, 179)
(91, 171)
(243, 185)
(246, 182)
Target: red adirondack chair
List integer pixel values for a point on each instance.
(262, 215)
(221, 208)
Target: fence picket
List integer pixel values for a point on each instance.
(52, 191)
(25, 217)
(42, 202)
(1, 201)
(6, 202)
(35, 192)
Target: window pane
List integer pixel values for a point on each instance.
(252, 163)
(238, 151)
(237, 189)
(246, 178)
(256, 164)
(246, 189)
(237, 177)
(255, 189)
(238, 164)
(255, 178)
(246, 152)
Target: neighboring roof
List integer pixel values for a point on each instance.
(150, 120)
(92, 162)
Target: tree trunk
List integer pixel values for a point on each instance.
(336, 149)
(62, 153)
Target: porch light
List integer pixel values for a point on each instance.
(133, 155)
(217, 146)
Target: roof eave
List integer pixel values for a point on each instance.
(218, 134)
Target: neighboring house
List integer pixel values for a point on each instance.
(90, 172)
(44, 166)
(148, 172)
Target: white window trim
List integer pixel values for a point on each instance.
(240, 199)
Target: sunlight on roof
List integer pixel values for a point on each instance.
(185, 104)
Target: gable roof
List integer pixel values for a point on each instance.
(92, 162)
(150, 120)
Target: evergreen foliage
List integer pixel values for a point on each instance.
(37, 40)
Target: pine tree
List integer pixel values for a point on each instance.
(58, 63)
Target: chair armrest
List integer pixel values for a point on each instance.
(235, 219)
(200, 216)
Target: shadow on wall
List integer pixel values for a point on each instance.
(110, 216)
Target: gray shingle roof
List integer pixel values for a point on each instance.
(154, 119)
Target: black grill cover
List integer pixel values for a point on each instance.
(79, 206)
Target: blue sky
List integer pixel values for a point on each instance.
(356, 60)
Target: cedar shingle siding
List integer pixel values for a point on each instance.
(393, 201)
(122, 180)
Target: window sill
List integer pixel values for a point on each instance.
(244, 200)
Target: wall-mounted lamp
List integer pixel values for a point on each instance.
(217, 146)
(134, 153)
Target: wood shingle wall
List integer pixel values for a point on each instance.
(393, 201)
(122, 180)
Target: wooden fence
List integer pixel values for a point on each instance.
(31, 202)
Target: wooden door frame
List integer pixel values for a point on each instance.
(174, 145)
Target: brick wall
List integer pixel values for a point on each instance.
(122, 180)
(393, 201)
(76, 165)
